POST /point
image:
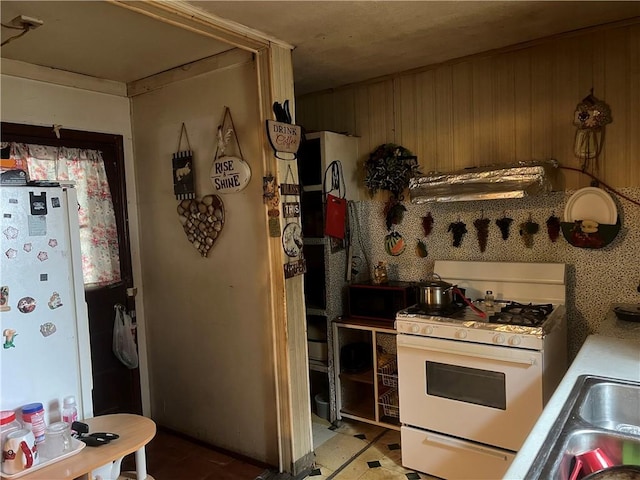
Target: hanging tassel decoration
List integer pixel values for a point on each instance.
(527, 230)
(394, 212)
(553, 227)
(504, 224)
(458, 229)
(482, 227)
(427, 224)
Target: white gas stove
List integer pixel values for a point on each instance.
(470, 386)
(507, 323)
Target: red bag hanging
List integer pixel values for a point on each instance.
(335, 216)
(336, 206)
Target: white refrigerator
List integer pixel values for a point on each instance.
(46, 353)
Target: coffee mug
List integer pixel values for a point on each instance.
(593, 461)
(57, 440)
(19, 452)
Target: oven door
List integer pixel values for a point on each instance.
(483, 393)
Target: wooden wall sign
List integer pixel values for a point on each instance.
(295, 268)
(183, 171)
(289, 189)
(291, 209)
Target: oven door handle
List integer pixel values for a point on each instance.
(507, 359)
(465, 446)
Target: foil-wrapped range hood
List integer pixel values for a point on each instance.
(485, 183)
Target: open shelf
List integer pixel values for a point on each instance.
(372, 395)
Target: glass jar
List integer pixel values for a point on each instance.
(33, 419)
(8, 424)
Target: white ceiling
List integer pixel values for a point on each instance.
(336, 42)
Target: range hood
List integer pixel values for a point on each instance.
(485, 183)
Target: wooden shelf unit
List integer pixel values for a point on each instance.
(369, 396)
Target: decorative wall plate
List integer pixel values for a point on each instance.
(292, 239)
(202, 221)
(591, 203)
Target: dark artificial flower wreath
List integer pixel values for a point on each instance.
(390, 167)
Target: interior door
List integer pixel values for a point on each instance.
(116, 388)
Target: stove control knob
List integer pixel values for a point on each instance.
(499, 338)
(415, 328)
(428, 330)
(515, 340)
(461, 334)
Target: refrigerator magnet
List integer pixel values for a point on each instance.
(54, 301)
(26, 304)
(53, 243)
(11, 233)
(38, 203)
(4, 298)
(47, 329)
(27, 247)
(9, 335)
(43, 256)
(11, 253)
(37, 225)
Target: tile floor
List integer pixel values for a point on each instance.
(351, 451)
(358, 451)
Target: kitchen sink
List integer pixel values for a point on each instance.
(613, 406)
(600, 413)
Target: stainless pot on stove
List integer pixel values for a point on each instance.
(439, 295)
(435, 294)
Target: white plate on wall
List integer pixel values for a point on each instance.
(591, 203)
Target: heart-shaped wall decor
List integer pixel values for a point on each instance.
(202, 221)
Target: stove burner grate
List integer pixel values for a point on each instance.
(516, 313)
(436, 312)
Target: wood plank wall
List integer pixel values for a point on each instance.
(511, 105)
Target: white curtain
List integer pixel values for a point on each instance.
(98, 232)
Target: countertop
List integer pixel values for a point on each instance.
(611, 326)
(604, 355)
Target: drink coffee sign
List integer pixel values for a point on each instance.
(284, 138)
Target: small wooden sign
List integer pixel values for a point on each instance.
(293, 269)
(284, 138)
(291, 209)
(289, 189)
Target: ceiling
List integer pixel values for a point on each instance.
(336, 42)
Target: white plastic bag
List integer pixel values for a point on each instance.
(124, 345)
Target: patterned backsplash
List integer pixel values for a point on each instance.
(596, 278)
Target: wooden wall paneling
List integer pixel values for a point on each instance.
(444, 118)
(599, 83)
(363, 129)
(586, 78)
(343, 112)
(504, 107)
(523, 104)
(483, 114)
(633, 118)
(426, 115)
(615, 166)
(464, 153)
(541, 102)
(565, 98)
(306, 112)
(405, 111)
(379, 108)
